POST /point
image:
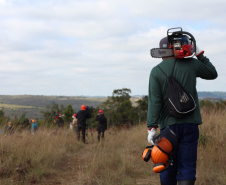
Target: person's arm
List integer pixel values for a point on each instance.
(154, 101)
(205, 69)
(97, 118)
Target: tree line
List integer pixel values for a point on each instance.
(118, 110)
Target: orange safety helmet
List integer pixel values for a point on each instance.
(161, 152)
(159, 157)
(83, 107)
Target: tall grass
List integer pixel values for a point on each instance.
(50, 158)
(30, 158)
(211, 151)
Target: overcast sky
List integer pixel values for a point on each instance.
(91, 47)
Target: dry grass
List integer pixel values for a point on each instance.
(211, 152)
(50, 159)
(30, 158)
(11, 106)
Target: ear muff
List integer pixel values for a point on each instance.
(146, 154)
(159, 167)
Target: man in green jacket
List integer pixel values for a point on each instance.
(186, 71)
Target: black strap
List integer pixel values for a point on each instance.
(162, 71)
(174, 66)
(172, 70)
(167, 78)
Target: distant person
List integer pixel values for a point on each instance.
(59, 121)
(9, 129)
(34, 127)
(73, 125)
(102, 124)
(82, 116)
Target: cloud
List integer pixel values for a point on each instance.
(97, 45)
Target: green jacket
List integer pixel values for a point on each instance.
(186, 70)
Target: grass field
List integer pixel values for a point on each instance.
(52, 158)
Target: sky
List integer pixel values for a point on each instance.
(92, 47)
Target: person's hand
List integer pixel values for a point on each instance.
(198, 51)
(151, 134)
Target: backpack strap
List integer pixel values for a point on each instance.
(172, 70)
(173, 67)
(162, 71)
(167, 77)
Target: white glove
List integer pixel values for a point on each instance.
(151, 134)
(198, 51)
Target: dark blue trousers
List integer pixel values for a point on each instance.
(185, 155)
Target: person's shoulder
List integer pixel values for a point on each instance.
(166, 62)
(153, 70)
(79, 112)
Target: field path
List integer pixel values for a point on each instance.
(75, 167)
(69, 170)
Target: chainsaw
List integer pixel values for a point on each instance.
(181, 45)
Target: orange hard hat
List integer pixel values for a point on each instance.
(165, 145)
(83, 107)
(158, 156)
(161, 152)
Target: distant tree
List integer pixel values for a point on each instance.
(2, 113)
(51, 112)
(23, 121)
(91, 121)
(68, 112)
(118, 108)
(121, 94)
(3, 119)
(212, 104)
(142, 108)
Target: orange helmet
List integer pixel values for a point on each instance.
(158, 156)
(161, 152)
(165, 145)
(83, 107)
(32, 120)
